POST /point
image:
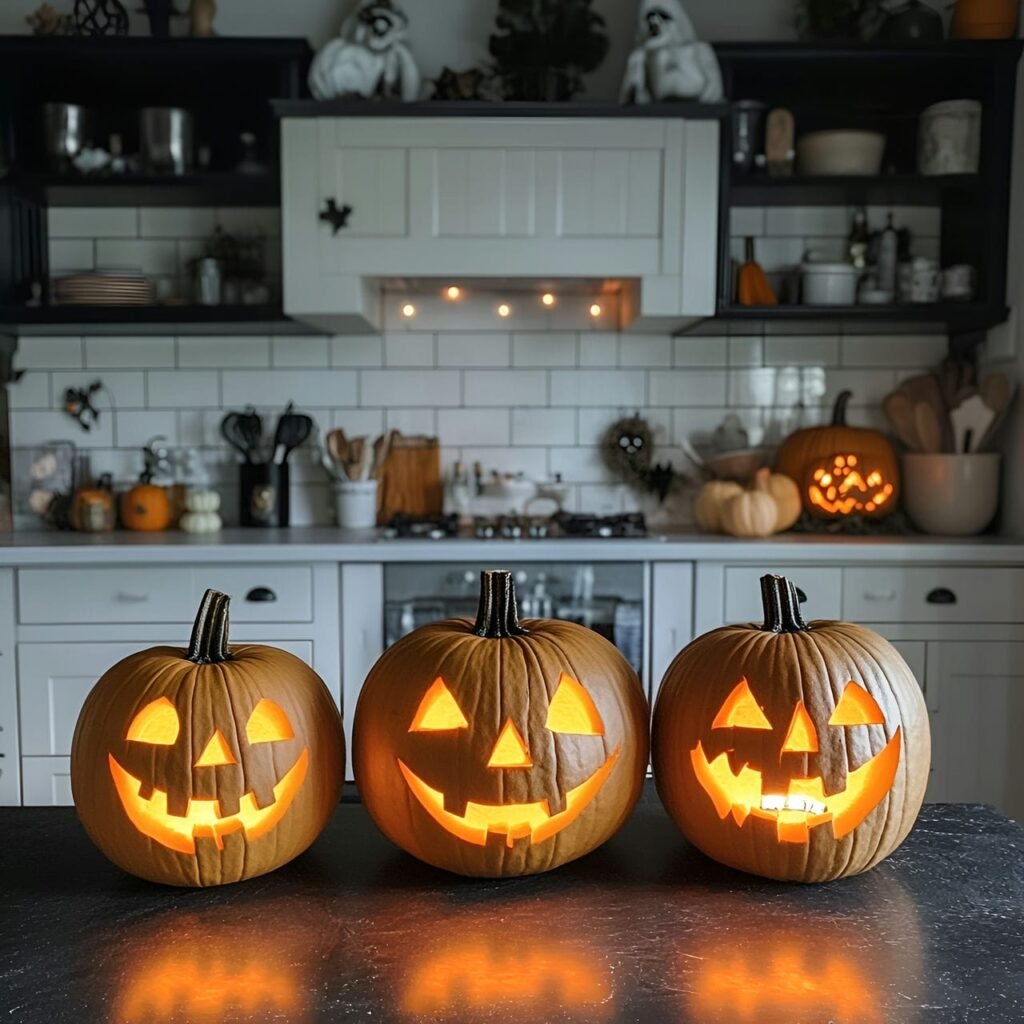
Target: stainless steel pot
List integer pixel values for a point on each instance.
(166, 135)
(66, 131)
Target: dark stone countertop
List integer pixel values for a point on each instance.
(645, 930)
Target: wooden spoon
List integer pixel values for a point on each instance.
(997, 393)
(929, 430)
(900, 411)
(925, 387)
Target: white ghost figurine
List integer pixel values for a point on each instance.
(669, 62)
(369, 58)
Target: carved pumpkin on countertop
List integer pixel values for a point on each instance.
(842, 470)
(497, 748)
(789, 750)
(207, 765)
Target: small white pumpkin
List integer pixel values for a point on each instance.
(711, 500)
(198, 500)
(200, 522)
(752, 513)
(787, 500)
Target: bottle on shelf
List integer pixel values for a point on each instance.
(888, 259)
(859, 240)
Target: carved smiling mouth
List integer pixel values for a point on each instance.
(202, 817)
(514, 821)
(805, 805)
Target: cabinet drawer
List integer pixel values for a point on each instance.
(55, 679)
(46, 782)
(822, 588)
(162, 594)
(933, 595)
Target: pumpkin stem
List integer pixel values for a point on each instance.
(839, 409)
(209, 642)
(497, 615)
(781, 606)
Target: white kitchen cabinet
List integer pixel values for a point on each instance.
(975, 694)
(10, 755)
(671, 617)
(46, 782)
(362, 638)
(628, 199)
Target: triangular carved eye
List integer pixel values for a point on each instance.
(857, 707)
(268, 723)
(438, 711)
(156, 723)
(740, 710)
(572, 711)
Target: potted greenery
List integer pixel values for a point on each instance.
(544, 47)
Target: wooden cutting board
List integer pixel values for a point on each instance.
(410, 479)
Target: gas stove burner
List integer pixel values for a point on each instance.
(421, 527)
(630, 524)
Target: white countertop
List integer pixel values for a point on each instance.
(329, 544)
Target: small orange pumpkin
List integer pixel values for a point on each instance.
(842, 470)
(146, 507)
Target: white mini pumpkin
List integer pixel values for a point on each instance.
(711, 500)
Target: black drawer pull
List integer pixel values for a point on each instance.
(261, 595)
(801, 596)
(941, 595)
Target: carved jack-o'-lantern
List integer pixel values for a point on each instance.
(793, 751)
(207, 765)
(494, 748)
(842, 470)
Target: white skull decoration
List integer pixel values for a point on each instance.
(668, 62)
(369, 58)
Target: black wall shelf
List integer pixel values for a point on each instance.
(956, 317)
(223, 189)
(887, 190)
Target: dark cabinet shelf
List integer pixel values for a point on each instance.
(890, 190)
(109, 320)
(204, 189)
(957, 317)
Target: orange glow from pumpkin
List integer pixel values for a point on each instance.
(510, 750)
(802, 737)
(572, 710)
(740, 710)
(438, 711)
(794, 980)
(477, 973)
(842, 490)
(156, 723)
(216, 752)
(805, 805)
(202, 818)
(268, 723)
(514, 821)
(857, 707)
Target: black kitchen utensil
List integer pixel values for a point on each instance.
(243, 431)
(292, 430)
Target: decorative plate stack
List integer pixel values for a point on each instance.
(104, 288)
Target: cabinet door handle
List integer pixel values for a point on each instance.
(880, 595)
(128, 598)
(336, 216)
(941, 595)
(261, 595)
(801, 596)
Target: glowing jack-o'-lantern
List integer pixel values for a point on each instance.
(497, 748)
(207, 765)
(793, 751)
(843, 470)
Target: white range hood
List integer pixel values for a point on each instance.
(620, 207)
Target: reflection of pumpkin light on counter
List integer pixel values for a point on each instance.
(480, 971)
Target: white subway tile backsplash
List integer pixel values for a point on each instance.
(534, 426)
(357, 350)
(598, 349)
(40, 353)
(602, 499)
(531, 461)
(598, 387)
(869, 387)
(689, 387)
(423, 388)
(807, 221)
(125, 389)
(594, 422)
(110, 353)
(544, 349)
(358, 422)
(505, 387)
(692, 351)
(746, 351)
(578, 465)
(276, 388)
(412, 421)
(250, 220)
(895, 350)
(183, 389)
(798, 350)
(71, 255)
(33, 426)
(698, 425)
(645, 350)
(226, 352)
(32, 391)
(473, 426)
(151, 256)
(295, 350)
(93, 222)
(173, 222)
(746, 221)
(409, 350)
(135, 428)
(473, 349)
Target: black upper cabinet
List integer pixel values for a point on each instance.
(885, 88)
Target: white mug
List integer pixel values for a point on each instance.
(958, 282)
(919, 280)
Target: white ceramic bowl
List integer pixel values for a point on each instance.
(829, 284)
(951, 495)
(840, 152)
